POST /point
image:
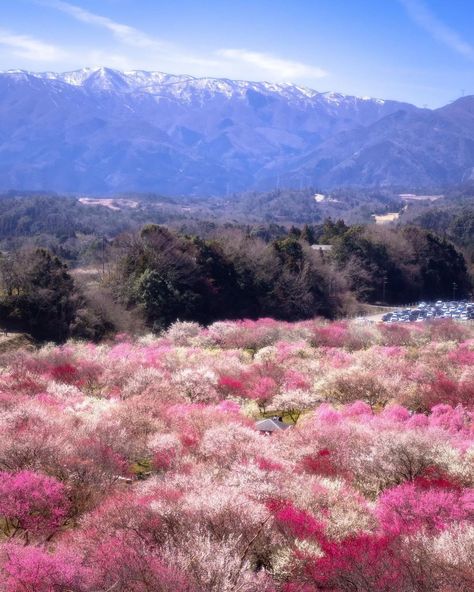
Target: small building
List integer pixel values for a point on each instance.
(270, 425)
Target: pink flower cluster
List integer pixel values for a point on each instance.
(136, 466)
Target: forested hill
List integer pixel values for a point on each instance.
(154, 276)
(29, 214)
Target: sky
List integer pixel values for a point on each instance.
(420, 51)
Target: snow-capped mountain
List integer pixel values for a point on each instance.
(101, 130)
(179, 87)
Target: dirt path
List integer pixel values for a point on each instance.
(377, 317)
(13, 340)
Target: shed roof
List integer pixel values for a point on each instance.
(322, 247)
(271, 424)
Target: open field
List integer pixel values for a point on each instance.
(386, 218)
(112, 204)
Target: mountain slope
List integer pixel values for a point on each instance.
(409, 148)
(101, 130)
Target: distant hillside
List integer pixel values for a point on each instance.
(100, 131)
(29, 216)
(416, 147)
(452, 217)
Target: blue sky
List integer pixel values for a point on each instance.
(421, 51)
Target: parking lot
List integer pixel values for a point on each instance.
(425, 311)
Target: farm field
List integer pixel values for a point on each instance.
(136, 465)
(386, 218)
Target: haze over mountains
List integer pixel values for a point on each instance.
(102, 131)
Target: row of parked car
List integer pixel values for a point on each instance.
(425, 311)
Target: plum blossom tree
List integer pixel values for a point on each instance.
(294, 403)
(407, 508)
(131, 566)
(32, 569)
(31, 504)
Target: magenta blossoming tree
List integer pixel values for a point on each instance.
(31, 504)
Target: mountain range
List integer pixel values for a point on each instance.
(102, 131)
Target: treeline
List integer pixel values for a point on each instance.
(39, 296)
(456, 224)
(74, 231)
(70, 229)
(169, 276)
(451, 216)
(157, 275)
(397, 266)
(300, 206)
(59, 216)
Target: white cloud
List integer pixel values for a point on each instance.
(145, 51)
(425, 18)
(124, 33)
(276, 67)
(30, 48)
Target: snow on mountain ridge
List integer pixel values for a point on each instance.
(101, 130)
(182, 86)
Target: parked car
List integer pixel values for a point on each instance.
(460, 310)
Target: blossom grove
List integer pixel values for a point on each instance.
(136, 466)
